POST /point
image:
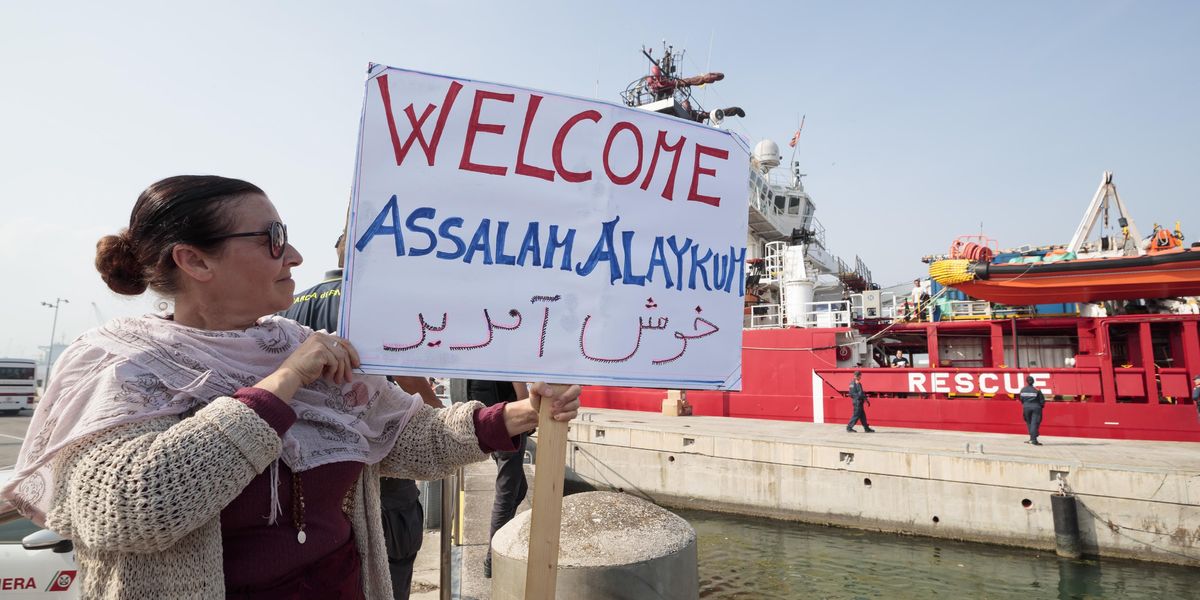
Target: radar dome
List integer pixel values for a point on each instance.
(766, 154)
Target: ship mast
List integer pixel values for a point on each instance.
(663, 90)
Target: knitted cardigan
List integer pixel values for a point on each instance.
(142, 502)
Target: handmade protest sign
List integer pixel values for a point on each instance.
(510, 234)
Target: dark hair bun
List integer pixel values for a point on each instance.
(118, 265)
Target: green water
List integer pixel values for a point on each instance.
(758, 559)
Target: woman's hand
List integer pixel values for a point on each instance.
(321, 355)
(522, 416)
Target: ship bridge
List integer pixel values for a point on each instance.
(779, 210)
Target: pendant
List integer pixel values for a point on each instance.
(300, 537)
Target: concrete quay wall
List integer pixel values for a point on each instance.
(1136, 499)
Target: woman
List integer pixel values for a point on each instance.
(218, 453)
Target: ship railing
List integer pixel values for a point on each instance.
(818, 230)
(760, 197)
(765, 316)
(901, 310)
(860, 267)
(895, 309)
(825, 314)
(780, 178)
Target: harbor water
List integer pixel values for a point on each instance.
(755, 559)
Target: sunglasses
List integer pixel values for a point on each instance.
(276, 232)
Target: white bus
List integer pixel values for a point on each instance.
(17, 387)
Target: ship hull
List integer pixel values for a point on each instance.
(1154, 276)
(784, 369)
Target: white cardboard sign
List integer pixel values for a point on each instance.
(509, 234)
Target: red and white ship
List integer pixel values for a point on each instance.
(1115, 370)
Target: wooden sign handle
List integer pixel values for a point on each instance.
(542, 568)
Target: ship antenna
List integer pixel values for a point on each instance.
(712, 33)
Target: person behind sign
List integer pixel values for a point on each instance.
(217, 453)
(899, 361)
(1032, 402)
(511, 485)
(859, 398)
(400, 500)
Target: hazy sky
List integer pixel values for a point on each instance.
(924, 119)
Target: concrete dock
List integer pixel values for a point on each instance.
(1136, 499)
(479, 486)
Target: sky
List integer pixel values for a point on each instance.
(923, 120)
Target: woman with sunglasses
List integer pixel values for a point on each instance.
(218, 453)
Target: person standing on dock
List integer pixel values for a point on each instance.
(1032, 401)
(1196, 393)
(859, 398)
(511, 485)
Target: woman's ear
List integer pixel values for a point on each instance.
(192, 262)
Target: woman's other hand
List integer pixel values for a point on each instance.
(321, 355)
(522, 416)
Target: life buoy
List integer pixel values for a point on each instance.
(843, 352)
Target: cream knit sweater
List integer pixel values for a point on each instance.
(142, 502)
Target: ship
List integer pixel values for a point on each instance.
(1114, 353)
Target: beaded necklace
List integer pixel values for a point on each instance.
(298, 507)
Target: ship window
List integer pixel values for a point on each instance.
(1118, 345)
(1165, 340)
(793, 206)
(780, 201)
(962, 350)
(1044, 351)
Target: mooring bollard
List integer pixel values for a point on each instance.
(611, 546)
(1066, 526)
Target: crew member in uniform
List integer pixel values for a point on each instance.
(400, 500)
(1032, 401)
(1196, 393)
(859, 398)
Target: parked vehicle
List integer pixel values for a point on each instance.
(34, 562)
(17, 387)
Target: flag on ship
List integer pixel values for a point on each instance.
(796, 138)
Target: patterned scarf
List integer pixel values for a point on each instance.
(148, 367)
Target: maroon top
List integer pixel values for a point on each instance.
(267, 561)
